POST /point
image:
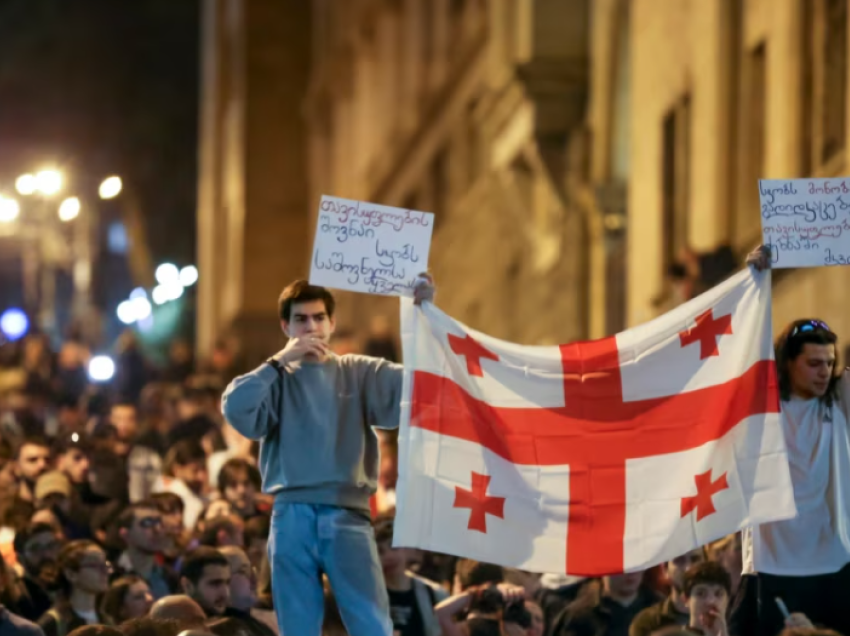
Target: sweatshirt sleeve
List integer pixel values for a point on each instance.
(248, 403)
(382, 390)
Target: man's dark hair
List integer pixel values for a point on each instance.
(303, 292)
(707, 573)
(128, 515)
(31, 440)
(788, 347)
(257, 527)
(228, 523)
(24, 536)
(200, 558)
(471, 572)
(186, 451)
(650, 620)
(233, 468)
(147, 626)
(384, 526)
(168, 502)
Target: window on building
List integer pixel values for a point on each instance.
(676, 169)
(750, 153)
(824, 81)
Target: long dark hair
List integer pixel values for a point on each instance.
(788, 347)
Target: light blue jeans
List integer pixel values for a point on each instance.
(307, 540)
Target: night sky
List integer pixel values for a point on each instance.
(106, 87)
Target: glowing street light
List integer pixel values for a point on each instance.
(26, 184)
(126, 312)
(188, 275)
(48, 182)
(101, 369)
(14, 323)
(167, 273)
(70, 209)
(110, 188)
(9, 209)
(141, 308)
(161, 294)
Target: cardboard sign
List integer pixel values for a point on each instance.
(370, 248)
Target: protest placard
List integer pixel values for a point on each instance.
(806, 222)
(370, 248)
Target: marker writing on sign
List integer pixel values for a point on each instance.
(380, 279)
(373, 217)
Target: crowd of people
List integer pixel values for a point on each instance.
(137, 509)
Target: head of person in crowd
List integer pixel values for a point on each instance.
(394, 561)
(84, 569)
(127, 597)
(257, 539)
(48, 517)
(239, 482)
(124, 417)
(53, 491)
(538, 623)
(141, 527)
(675, 570)
(187, 461)
(180, 608)
(623, 588)
(150, 626)
(649, 623)
(226, 530)
(96, 630)
(32, 460)
(243, 579)
(72, 455)
(205, 576)
(728, 552)
(8, 480)
(69, 413)
(307, 310)
(37, 547)
(470, 573)
(171, 507)
(707, 588)
(806, 359)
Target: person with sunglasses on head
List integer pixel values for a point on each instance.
(142, 529)
(800, 565)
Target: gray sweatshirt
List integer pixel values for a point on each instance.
(314, 425)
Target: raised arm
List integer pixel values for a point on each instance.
(249, 402)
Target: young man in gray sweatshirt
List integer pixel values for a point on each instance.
(313, 413)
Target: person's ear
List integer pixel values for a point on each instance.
(284, 327)
(187, 586)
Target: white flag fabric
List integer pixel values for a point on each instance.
(594, 457)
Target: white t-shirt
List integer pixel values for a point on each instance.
(90, 617)
(807, 544)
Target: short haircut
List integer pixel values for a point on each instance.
(651, 620)
(168, 502)
(70, 558)
(147, 626)
(23, 537)
(302, 292)
(384, 526)
(128, 516)
(257, 527)
(186, 451)
(228, 523)
(471, 572)
(31, 440)
(233, 467)
(707, 573)
(198, 559)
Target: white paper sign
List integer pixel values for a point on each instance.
(370, 248)
(806, 222)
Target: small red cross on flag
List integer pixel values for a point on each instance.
(593, 457)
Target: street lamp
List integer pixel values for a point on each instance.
(48, 182)
(110, 188)
(9, 209)
(70, 209)
(26, 184)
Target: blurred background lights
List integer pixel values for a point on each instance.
(101, 369)
(188, 275)
(14, 323)
(167, 273)
(141, 308)
(126, 312)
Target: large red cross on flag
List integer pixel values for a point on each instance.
(593, 457)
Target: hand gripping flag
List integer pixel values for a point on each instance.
(593, 457)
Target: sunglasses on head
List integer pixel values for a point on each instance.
(809, 326)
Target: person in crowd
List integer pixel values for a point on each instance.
(606, 607)
(32, 460)
(96, 630)
(324, 470)
(13, 625)
(179, 608)
(227, 530)
(256, 539)
(185, 475)
(674, 606)
(149, 626)
(84, 574)
(142, 530)
(127, 597)
(706, 589)
(37, 547)
(171, 508)
(123, 415)
(54, 492)
(804, 561)
(205, 578)
(727, 552)
(412, 599)
(239, 482)
(243, 597)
